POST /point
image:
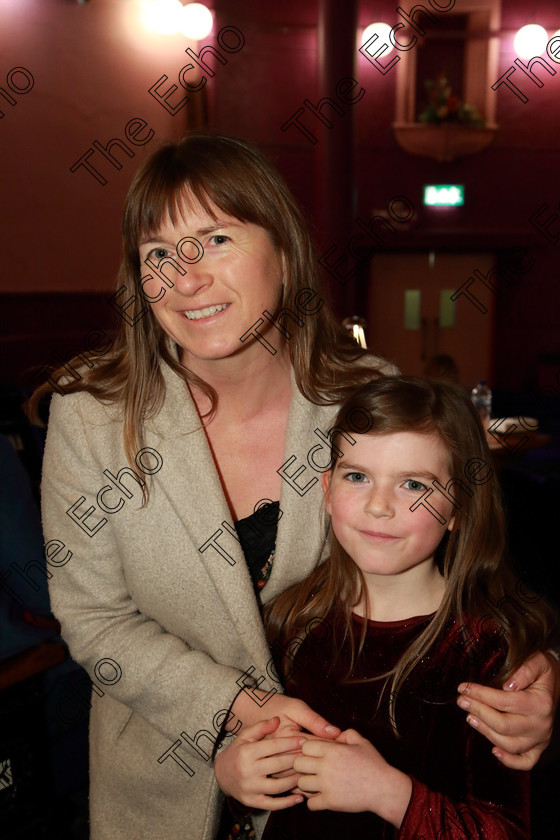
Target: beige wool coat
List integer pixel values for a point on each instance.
(156, 603)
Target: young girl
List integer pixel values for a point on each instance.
(415, 593)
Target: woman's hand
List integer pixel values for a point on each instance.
(243, 769)
(294, 714)
(350, 775)
(519, 718)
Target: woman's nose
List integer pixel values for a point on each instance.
(179, 271)
(186, 270)
(192, 277)
(194, 272)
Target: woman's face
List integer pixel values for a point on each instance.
(209, 281)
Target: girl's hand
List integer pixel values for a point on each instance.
(287, 731)
(350, 775)
(243, 769)
(519, 718)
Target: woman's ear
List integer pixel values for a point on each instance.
(326, 485)
(283, 268)
(451, 525)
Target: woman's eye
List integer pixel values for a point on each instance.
(356, 477)
(415, 486)
(219, 239)
(157, 254)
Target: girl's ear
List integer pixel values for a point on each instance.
(451, 524)
(326, 485)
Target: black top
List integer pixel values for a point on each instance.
(257, 535)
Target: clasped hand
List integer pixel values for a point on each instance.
(349, 774)
(257, 766)
(345, 774)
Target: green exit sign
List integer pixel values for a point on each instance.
(444, 195)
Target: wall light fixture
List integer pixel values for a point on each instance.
(169, 17)
(531, 40)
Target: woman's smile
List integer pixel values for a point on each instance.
(206, 312)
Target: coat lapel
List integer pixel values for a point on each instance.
(194, 493)
(302, 528)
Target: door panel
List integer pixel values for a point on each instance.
(458, 329)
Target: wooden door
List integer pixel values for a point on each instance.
(411, 316)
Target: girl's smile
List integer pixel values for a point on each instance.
(376, 535)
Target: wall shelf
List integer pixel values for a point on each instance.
(443, 142)
(448, 141)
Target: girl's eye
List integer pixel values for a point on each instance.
(355, 477)
(415, 486)
(219, 238)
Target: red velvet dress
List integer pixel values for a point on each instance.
(460, 791)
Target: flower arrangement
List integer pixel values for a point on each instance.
(443, 107)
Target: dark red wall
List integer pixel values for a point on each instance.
(93, 66)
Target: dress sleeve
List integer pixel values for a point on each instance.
(432, 814)
(497, 801)
(151, 671)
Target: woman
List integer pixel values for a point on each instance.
(217, 397)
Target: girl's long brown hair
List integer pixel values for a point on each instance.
(472, 557)
(236, 178)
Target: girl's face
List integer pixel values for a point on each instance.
(369, 495)
(218, 298)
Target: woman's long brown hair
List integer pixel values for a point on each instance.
(237, 179)
(473, 554)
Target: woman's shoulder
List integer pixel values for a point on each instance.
(83, 406)
(384, 366)
(105, 404)
(81, 429)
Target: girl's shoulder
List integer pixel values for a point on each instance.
(479, 642)
(487, 628)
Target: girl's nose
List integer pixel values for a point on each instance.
(379, 502)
